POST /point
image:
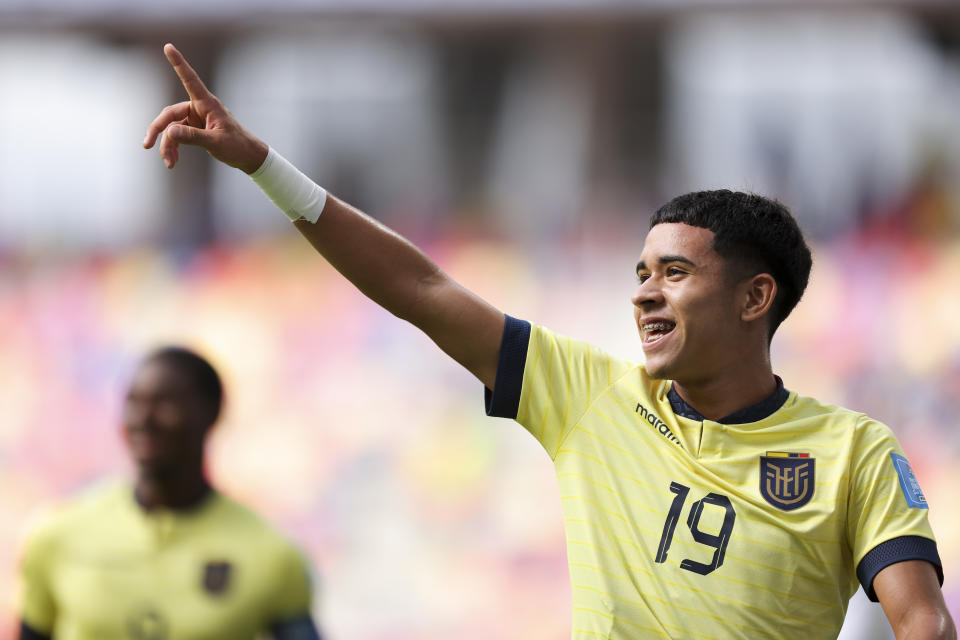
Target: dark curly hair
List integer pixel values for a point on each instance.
(755, 233)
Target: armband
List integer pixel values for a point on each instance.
(299, 197)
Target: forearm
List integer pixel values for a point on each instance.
(398, 276)
(383, 265)
(387, 268)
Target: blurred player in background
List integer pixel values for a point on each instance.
(168, 558)
(701, 497)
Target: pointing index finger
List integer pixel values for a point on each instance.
(191, 81)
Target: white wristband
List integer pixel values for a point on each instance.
(287, 187)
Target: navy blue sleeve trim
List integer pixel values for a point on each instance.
(896, 550)
(504, 400)
(26, 633)
(296, 629)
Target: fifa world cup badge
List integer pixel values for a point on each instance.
(787, 479)
(908, 482)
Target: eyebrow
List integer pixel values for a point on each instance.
(642, 266)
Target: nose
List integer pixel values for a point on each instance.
(647, 292)
(140, 414)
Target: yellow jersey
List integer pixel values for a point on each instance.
(756, 526)
(103, 568)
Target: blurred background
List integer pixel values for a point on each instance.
(523, 144)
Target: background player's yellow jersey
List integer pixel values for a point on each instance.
(103, 568)
(757, 526)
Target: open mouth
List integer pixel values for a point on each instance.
(653, 332)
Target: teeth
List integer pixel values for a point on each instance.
(658, 326)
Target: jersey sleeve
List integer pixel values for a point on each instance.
(887, 512)
(546, 382)
(37, 604)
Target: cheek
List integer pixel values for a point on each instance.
(170, 415)
(703, 316)
(134, 413)
(715, 319)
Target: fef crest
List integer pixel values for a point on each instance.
(787, 479)
(216, 577)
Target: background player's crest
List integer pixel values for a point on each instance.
(216, 577)
(787, 479)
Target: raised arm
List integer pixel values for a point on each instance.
(383, 265)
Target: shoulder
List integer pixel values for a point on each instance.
(865, 435)
(540, 334)
(555, 350)
(89, 504)
(799, 407)
(278, 559)
(228, 512)
(281, 570)
(55, 523)
(254, 529)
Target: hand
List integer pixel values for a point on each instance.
(202, 121)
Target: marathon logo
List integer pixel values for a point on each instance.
(657, 423)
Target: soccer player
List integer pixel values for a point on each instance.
(169, 558)
(702, 498)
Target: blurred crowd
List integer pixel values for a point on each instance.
(357, 436)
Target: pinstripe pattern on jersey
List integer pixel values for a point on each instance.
(617, 447)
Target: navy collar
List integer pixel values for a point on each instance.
(194, 504)
(752, 413)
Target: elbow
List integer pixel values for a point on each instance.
(942, 627)
(425, 297)
(948, 631)
(935, 625)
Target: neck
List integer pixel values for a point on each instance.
(738, 388)
(179, 490)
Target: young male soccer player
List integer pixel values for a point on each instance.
(702, 499)
(169, 558)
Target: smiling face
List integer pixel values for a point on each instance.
(165, 419)
(687, 305)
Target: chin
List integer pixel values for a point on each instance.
(154, 469)
(657, 370)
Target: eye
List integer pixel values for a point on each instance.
(674, 271)
(642, 277)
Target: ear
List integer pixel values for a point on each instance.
(759, 292)
(207, 415)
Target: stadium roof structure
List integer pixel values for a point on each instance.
(220, 11)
